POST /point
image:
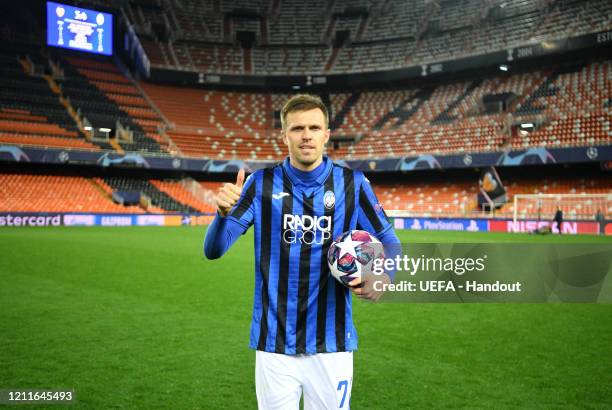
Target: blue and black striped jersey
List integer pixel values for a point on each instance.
(298, 306)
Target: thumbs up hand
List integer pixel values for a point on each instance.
(229, 194)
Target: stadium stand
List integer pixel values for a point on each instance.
(570, 100)
(295, 37)
(61, 193)
(458, 198)
(217, 124)
(574, 104)
(286, 60)
(582, 210)
(178, 192)
(569, 103)
(429, 198)
(86, 84)
(30, 112)
(51, 193)
(107, 78)
(214, 58)
(440, 119)
(158, 197)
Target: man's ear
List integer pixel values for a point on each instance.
(284, 136)
(327, 135)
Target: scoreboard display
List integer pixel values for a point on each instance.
(76, 28)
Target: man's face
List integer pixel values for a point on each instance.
(305, 135)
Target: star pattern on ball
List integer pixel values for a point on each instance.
(348, 247)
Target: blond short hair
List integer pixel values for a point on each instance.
(303, 102)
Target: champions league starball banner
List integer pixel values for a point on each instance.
(79, 29)
(532, 156)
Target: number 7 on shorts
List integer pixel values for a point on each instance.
(342, 385)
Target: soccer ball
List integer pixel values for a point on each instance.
(352, 254)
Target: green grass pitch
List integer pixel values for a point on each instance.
(137, 318)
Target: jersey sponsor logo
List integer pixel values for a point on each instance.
(280, 195)
(306, 229)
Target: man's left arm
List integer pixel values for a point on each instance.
(372, 218)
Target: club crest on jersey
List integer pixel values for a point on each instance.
(329, 199)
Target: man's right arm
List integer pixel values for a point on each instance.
(221, 235)
(234, 216)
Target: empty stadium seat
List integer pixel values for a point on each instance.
(54, 193)
(440, 120)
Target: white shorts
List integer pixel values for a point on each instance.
(325, 379)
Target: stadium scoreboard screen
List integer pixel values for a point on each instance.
(79, 29)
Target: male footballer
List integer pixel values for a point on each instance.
(302, 326)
